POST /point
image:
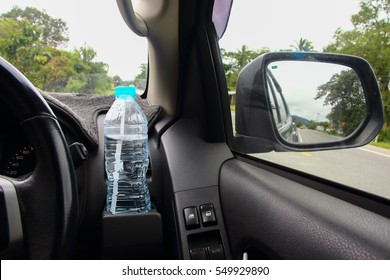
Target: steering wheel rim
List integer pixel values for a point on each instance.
(47, 198)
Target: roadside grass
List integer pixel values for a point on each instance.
(385, 145)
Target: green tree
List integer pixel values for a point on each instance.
(234, 62)
(140, 79)
(59, 68)
(20, 45)
(89, 83)
(312, 125)
(303, 45)
(324, 124)
(117, 81)
(89, 76)
(345, 94)
(370, 39)
(52, 31)
(29, 39)
(298, 124)
(29, 44)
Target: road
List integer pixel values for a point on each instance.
(312, 136)
(366, 168)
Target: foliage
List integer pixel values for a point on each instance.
(385, 134)
(234, 62)
(324, 124)
(117, 81)
(345, 94)
(89, 83)
(29, 39)
(140, 79)
(20, 45)
(298, 124)
(369, 39)
(303, 45)
(52, 32)
(384, 145)
(311, 125)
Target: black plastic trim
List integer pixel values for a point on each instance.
(197, 198)
(286, 220)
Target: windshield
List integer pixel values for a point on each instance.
(60, 49)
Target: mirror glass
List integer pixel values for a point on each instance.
(314, 102)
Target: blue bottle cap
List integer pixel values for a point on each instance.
(124, 91)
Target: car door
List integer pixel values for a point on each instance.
(272, 211)
(261, 209)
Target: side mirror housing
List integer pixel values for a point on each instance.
(302, 101)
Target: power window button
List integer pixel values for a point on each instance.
(208, 215)
(191, 218)
(198, 254)
(216, 252)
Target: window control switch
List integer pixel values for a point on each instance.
(216, 252)
(208, 215)
(198, 254)
(191, 218)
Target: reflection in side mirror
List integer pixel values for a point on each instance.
(314, 102)
(304, 101)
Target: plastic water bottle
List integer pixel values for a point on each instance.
(126, 154)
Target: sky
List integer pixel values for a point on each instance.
(276, 24)
(300, 81)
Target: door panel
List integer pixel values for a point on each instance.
(274, 217)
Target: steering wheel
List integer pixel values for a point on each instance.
(38, 213)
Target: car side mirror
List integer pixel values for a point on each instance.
(304, 101)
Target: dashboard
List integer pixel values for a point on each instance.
(81, 117)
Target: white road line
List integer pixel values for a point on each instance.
(299, 136)
(377, 153)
